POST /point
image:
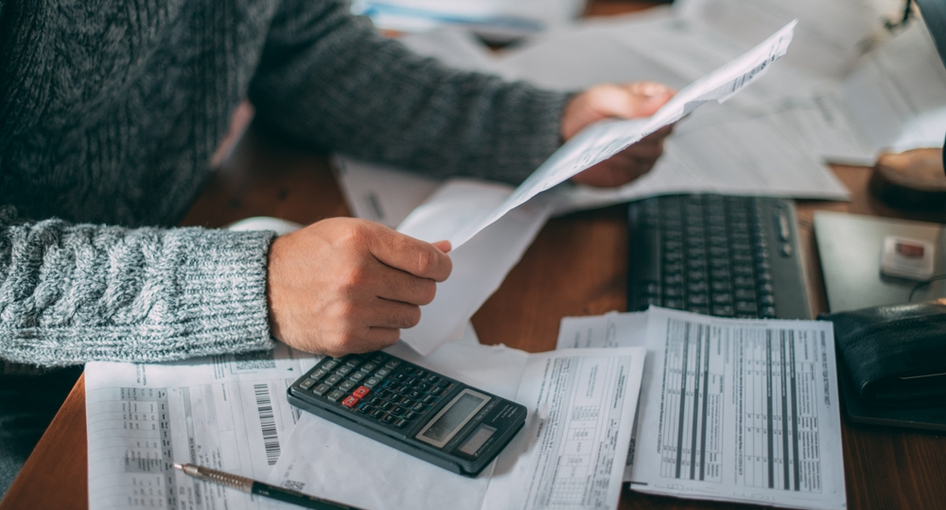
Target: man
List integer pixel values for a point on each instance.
(109, 113)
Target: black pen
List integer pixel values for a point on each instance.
(244, 484)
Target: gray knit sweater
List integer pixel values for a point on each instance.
(109, 113)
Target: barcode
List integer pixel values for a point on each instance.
(267, 423)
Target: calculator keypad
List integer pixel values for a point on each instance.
(395, 393)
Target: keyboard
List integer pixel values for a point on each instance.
(716, 255)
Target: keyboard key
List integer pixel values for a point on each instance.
(335, 395)
(361, 392)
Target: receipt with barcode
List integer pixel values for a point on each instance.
(225, 412)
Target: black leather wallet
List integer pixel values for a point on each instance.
(893, 363)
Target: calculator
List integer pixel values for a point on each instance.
(417, 411)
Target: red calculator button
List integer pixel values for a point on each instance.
(350, 401)
(360, 392)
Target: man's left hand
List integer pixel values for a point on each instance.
(637, 99)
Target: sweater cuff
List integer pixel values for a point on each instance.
(221, 300)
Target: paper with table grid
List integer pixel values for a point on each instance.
(225, 412)
(731, 409)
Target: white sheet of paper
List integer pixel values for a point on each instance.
(606, 138)
(224, 412)
(583, 399)
(378, 193)
(479, 266)
(828, 38)
(582, 408)
(733, 428)
(896, 95)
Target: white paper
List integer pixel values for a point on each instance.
(750, 435)
(381, 194)
(604, 139)
(583, 401)
(501, 20)
(479, 266)
(224, 412)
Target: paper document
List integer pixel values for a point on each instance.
(581, 406)
(731, 410)
(224, 412)
(479, 266)
(604, 139)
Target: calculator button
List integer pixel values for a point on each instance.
(376, 413)
(357, 376)
(321, 389)
(318, 374)
(307, 383)
(436, 390)
(397, 411)
(429, 399)
(432, 379)
(410, 415)
(330, 364)
(443, 383)
(418, 407)
(375, 400)
(385, 405)
(392, 363)
(381, 372)
(422, 386)
(388, 419)
(400, 423)
(347, 385)
(352, 362)
(350, 401)
(399, 377)
(343, 370)
(372, 382)
(335, 395)
(361, 392)
(369, 366)
(333, 379)
(364, 407)
(378, 359)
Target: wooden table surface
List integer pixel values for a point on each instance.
(576, 266)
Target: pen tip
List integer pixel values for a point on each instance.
(178, 466)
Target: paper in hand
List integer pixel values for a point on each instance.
(604, 139)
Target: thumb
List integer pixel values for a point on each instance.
(443, 246)
(642, 99)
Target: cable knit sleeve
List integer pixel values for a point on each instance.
(328, 78)
(75, 293)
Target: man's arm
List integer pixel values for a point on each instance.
(328, 78)
(74, 293)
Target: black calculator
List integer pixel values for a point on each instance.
(423, 413)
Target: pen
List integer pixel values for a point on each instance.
(259, 488)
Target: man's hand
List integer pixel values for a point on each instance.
(346, 285)
(638, 99)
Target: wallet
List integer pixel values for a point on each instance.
(895, 355)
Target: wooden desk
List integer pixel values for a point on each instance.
(578, 259)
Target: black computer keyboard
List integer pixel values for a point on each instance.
(716, 255)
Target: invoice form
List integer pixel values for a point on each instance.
(581, 407)
(224, 412)
(731, 410)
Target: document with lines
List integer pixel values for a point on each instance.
(225, 412)
(730, 409)
(568, 454)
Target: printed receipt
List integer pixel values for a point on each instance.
(225, 412)
(581, 405)
(730, 410)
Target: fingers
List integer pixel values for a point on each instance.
(411, 255)
(637, 99)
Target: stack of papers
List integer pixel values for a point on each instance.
(231, 413)
(730, 410)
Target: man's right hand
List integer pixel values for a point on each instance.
(345, 285)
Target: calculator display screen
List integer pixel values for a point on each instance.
(442, 428)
